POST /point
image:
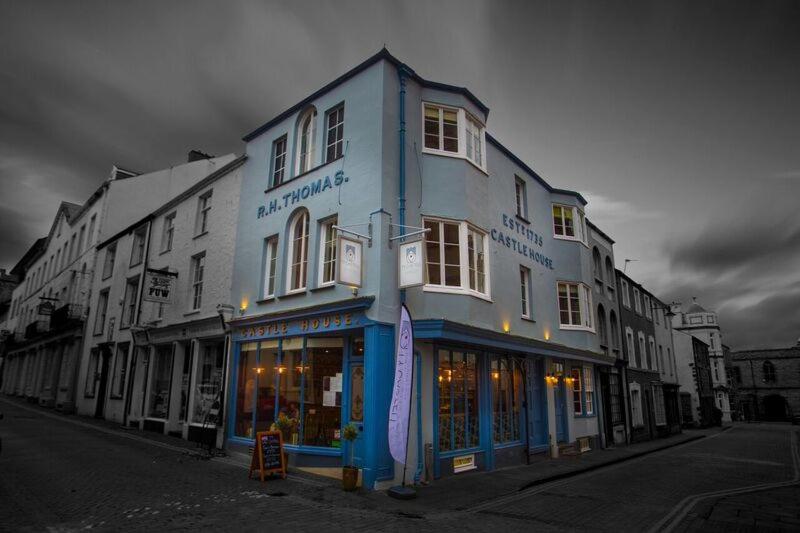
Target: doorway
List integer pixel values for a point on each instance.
(105, 360)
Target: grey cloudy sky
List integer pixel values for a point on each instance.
(679, 121)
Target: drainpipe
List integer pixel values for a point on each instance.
(418, 363)
(402, 72)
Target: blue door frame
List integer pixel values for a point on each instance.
(536, 397)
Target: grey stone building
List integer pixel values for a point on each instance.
(768, 382)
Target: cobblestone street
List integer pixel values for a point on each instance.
(67, 473)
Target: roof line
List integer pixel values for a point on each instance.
(383, 54)
(598, 230)
(508, 153)
(178, 198)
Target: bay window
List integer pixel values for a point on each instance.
(453, 132)
(457, 255)
(569, 223)
(574, 306)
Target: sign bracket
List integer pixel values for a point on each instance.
(368, 237)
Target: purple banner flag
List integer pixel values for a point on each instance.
(401, 393)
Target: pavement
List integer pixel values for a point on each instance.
(67, 473)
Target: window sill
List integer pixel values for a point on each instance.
(266, 300)
(162, 252)
(281, 184)
(327, 286)
(200, 235)
(571, 239)
(115, 397)
(292, 294)
(522, 218)
(568, 327)
(593, 415)
(456, 290)
(528, 319)
(139, 262)
(193, 312)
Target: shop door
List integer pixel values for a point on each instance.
(605, 391)
(561, 412)
(100, 408)
(356, 413)
(537, 404)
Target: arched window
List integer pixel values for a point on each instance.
(609, 271)
(612, 318)
(298, 251)
(597, 264)
(769, 371)
(602, 330)
(305, 137)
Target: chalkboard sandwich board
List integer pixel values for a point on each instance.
(268, 455)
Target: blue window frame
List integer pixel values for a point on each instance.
(507, 396)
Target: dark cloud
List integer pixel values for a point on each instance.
(680, 117)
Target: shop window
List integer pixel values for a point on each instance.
(588, 390)
(160, 382)
(91, 374)
(267, 375)
(458, 400)
(298, 252)
(209, 380)
(322, 392)
(616, 403)
(507, 399)
(335, 133)
(246, 372)
(120, 368)
(574, 305)
(327, 253)
(577, 391)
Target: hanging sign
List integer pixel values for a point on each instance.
(158, 286)
(411, 267)
(349, 261)
(268, 455)
(401, 392)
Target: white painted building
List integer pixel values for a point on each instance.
(704, 325)
(160, 366)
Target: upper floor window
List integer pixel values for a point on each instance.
(90, 235)
(569, 223)
(525, 284)
(648, 308)
(108, 264)
(637, 301)
(168, 232)
(456, 257)
(137, 249)
(441, 128)
(270, 266)
(474, 140)
(197, 274)
(626, 295)
(641, 356)
(630, 345)
(327, 252)
(597, 268)
(574, 306)
(278, 161)
(129, 308)
(306, 134)
(72, 249)
(652, 360)
(521, 198)
(203, 207)
(81, 236)
(298, 252)
(769, 371)
(100, 316)
(334, 136)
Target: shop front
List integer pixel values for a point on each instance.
(309, 373)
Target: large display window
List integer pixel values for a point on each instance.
(209, 379)
(295, 385)
(507, 389)
(458, 400)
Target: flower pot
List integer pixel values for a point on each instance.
(349, 478)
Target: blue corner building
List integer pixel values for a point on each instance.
(505, 336)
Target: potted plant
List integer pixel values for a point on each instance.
(350, 471)
(286, 426)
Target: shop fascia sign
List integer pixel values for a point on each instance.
(303, 326)
(300, 193)
(519, 237)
